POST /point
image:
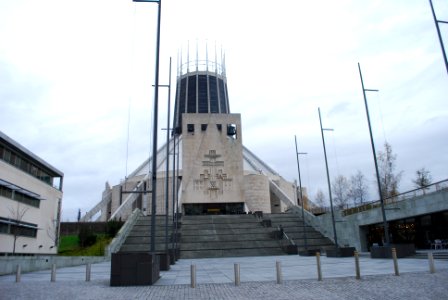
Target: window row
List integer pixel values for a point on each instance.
(231, 129)
(18, 161)
(17, 228)
(18, 196)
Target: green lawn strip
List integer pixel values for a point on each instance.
(69, 246)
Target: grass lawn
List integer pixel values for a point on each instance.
(69, 246)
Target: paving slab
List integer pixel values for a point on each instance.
(215, 279)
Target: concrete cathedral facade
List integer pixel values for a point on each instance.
(213, 172)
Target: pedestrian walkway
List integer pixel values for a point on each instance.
(215, 278)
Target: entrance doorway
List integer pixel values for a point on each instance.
(214, 208)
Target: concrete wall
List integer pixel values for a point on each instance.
(256, 193)
(208, 178)
(349, 228)
(8, 264)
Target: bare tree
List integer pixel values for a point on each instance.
(53, 231)
(423, 178)
(389, 181)
(319, 199)
(358, 188)
(17, 215)
(340, 188)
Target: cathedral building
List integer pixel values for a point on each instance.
(213, 172)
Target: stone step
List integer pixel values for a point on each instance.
(229, 245)
(225, 237)
(144, 240)
(241, 226)
(217, 219)
(230, 253)
(143, 248)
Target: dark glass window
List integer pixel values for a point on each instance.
(203, 127)
(19, 197)
(202, 94)
(222, 97)
(214, 105)
(191, 105)
(17, 227)
(190, 128)
(231, 130)
(219, 126)
(183, 93)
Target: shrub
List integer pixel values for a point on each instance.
(112, 227)
(86, 237)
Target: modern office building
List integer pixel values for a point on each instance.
(30, 197)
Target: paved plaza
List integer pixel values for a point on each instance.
(215, 280)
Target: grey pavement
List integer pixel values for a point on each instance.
(215, 280)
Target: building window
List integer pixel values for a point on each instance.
(190, 128)
(203, 127)
(231, 130)
(17, 227)
(18, 161)
(18, 196)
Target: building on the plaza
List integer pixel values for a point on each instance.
(30, 197)
(215, 173)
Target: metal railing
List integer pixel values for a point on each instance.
(357, 208)
(284, 240)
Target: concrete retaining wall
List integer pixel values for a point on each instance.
(8, 264)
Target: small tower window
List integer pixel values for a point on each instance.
(231, 130)
(203, 127)
(219, 126)
(190, 128)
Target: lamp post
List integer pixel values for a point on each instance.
(383, 211)
(167, 189)
(155, 123)
(439, 34)
(301, 194)
(328, 180)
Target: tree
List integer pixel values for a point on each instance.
(358, 191)
(423, 178)
(340, 188)
(320, 198)
(389, 181)
(17, 215)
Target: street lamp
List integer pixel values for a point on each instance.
(301, 195)
(328, 179)
(383, 211)
(439, 34)
(154, 144)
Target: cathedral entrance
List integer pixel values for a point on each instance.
(214, 208)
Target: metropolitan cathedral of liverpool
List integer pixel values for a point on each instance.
(210, 170)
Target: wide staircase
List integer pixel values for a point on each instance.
(226, 236)
(297, 230)
(139, 238)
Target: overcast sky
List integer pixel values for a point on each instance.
(72, 72)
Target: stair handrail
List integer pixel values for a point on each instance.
(282, 231)
(123, 233)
